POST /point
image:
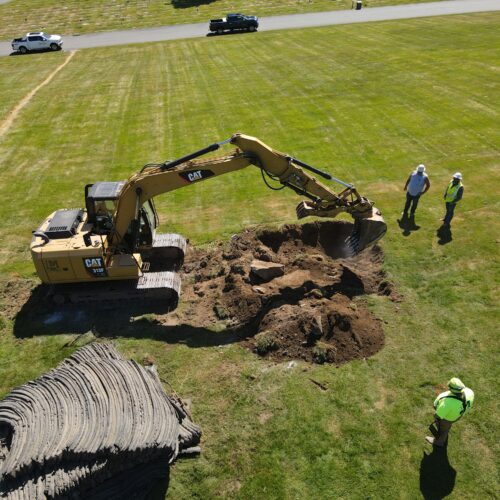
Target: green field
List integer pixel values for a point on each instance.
(75, 16)
(365, 102)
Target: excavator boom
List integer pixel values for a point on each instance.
(290, 172)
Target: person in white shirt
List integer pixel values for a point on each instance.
(416, 185)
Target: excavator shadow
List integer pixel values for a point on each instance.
(38, 316)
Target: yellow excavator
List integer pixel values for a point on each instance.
(114, 238)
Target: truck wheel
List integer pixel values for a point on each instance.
(54, 46)
(219, 31)
(23, 49)
(252, 28)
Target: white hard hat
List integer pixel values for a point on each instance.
(457, 175)
(456, 385)
(421, 168)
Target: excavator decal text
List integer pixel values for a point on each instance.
(95, 267)
(196, 175)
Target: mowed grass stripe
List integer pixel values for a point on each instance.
(18, 76)
(13, 113)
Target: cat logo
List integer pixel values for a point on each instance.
(196, 175)
(95, 266)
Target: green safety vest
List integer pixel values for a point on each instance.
(451, 192)
(451, 406)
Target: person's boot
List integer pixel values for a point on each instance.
(433, 441)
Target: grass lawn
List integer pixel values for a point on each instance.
(366, 103)
(76, 16)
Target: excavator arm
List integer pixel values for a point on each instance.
(155, 179)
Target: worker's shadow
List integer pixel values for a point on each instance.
(444, 234)
(407, 224)
(437, 476)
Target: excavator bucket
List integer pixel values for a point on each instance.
(369, 226)
(367, 231)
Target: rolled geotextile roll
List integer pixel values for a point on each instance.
(95, 426)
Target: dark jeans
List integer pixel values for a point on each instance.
(443, 428)
(413, 201)
(450, 209)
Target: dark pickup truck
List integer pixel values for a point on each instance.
(234, 22)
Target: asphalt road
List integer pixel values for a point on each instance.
(277, 23)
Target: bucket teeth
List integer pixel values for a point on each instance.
(352, 241)
(302, 210)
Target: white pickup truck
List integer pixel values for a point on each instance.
(37, 41)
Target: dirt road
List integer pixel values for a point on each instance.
(278, 23)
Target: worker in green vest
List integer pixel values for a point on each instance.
(452, 196)
(450, 406)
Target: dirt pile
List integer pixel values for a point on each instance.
(307, 311)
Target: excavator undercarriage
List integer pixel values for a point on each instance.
(111, 250)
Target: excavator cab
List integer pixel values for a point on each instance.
(101, 202)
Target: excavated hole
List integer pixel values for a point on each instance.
(329, 236)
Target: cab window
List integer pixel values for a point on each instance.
(105, 207)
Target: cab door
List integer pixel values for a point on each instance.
(35, 42)
(148, 223)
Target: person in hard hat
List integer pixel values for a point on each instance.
(452, 196)
(416, 185)
(450, 406)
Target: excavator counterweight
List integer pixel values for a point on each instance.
(115, 239)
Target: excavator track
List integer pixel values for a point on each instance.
(167, 252)
(158, 291)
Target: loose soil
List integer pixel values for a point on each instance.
(309, 313)
(314, 312)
